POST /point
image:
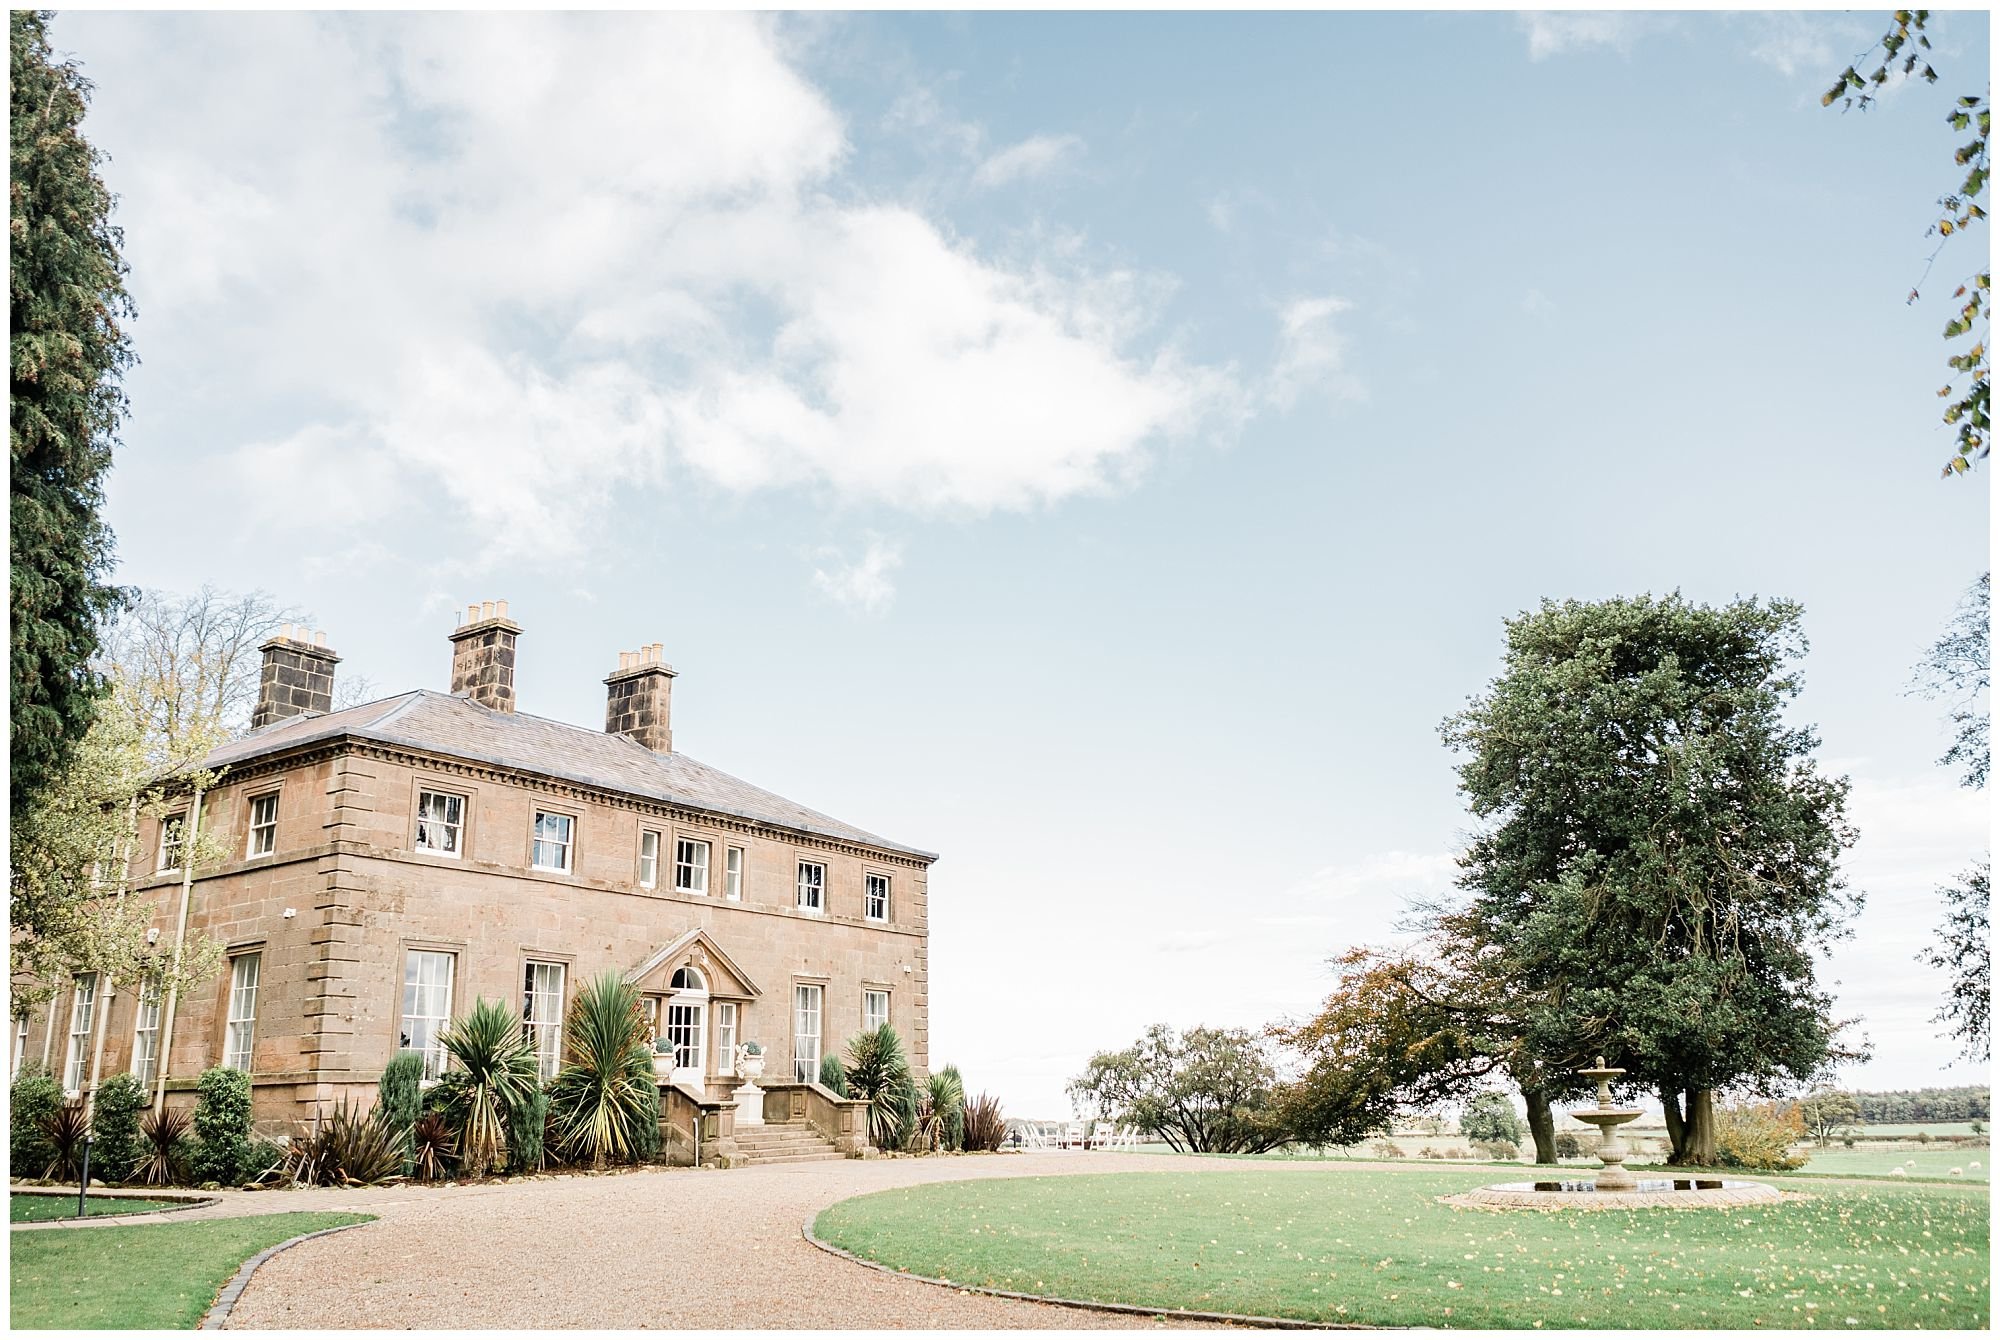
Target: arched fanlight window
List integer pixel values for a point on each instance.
(688, 978)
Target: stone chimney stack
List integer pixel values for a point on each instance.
(298, 676)
(482, 656)
(638, 697)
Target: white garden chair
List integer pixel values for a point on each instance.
(1076, 1135)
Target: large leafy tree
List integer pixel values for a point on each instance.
(1957, 669)
(1903, 52)
(1208, 1091)
(1660, 859)
(68, 351)
(1963, 949)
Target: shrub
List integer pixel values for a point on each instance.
(605, 1104)
(527, 1124)
(985, 1128)
(1491, 1116)
(115, 1146)
(954, 1118)
(1755, 1136)
(432, 1149)
(1503, 1150)
(1388, 1149)
(1923, 1137)
(399, 1096)
(1569, 1145)
(494, 1071)
(1847, 1141)
(31, 1101)
(878, 1072)
(67, 1128)
(164, 1160)
(221, 1126)
(346, 1147)
(833, 1075)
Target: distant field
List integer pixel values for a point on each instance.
(1888, 1130)
(1917, 1161)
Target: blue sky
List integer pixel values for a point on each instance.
(1098, 448)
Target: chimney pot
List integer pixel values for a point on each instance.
(297, 678)
(638, 696)
(482, 656)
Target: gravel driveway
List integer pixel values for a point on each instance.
(661, 1247)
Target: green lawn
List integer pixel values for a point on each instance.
(1375, 1246)
(140, 1277)
(36, 1209)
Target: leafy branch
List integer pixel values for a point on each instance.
(1899, 52)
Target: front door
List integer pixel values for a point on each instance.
(687, 1028)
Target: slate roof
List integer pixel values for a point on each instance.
(459, 728)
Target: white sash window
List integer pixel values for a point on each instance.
(244, 972)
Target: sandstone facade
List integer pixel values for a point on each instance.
(348, 892)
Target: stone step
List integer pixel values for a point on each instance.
(823, 1156)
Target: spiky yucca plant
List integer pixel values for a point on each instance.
(164, 1159)
(604, 1105)
(346, 1147)
(66, 1128)
(493, 1071)
(432, 1148)
(877, 1071)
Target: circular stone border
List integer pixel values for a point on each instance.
(1084, 1304)
(1521, 1196)
(225, 1302)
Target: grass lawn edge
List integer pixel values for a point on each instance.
(806, 1230)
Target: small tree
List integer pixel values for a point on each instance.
(493, 1072)
(1827, 1113)
(832, 1074)
(1491, 1117)
(605, 1102)
(1212, 1090)
(878, 1071)
(31, 1101)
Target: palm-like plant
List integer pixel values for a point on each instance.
(940, 1108)
(432, 1148)
(164, 1160)
(604, 1105)
(493, 1071)
(878, 1071)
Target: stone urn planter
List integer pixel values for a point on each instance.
(750, 1065)
(749, 1098)
(663, 1062)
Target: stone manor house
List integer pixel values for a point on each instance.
(391, 862)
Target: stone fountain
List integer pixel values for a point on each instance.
(1611, 1150)
(1614, 1187)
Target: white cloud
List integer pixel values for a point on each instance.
(863, 584)
(497, 271)
(1537, 303)
(1312, 353)
(1032, 157)
(1556, 32)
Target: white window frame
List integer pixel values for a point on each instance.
(452, 830)
(808, 1016)
(691, 865)
(239, 1044)
(146, 1032)
(20, 1046)
(687, 1024)
(869, 881)
(542, 1027)
(565, 845)
(173, 837)
(869, 995)
(649, 858)
(426, 1007)
(725, 1037)
(82, 1021)
(732, 874)
(263, 834)
(815, 904)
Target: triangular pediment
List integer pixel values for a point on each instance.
(696, 947)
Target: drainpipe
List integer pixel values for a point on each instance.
(109, 995)
(180, 934)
